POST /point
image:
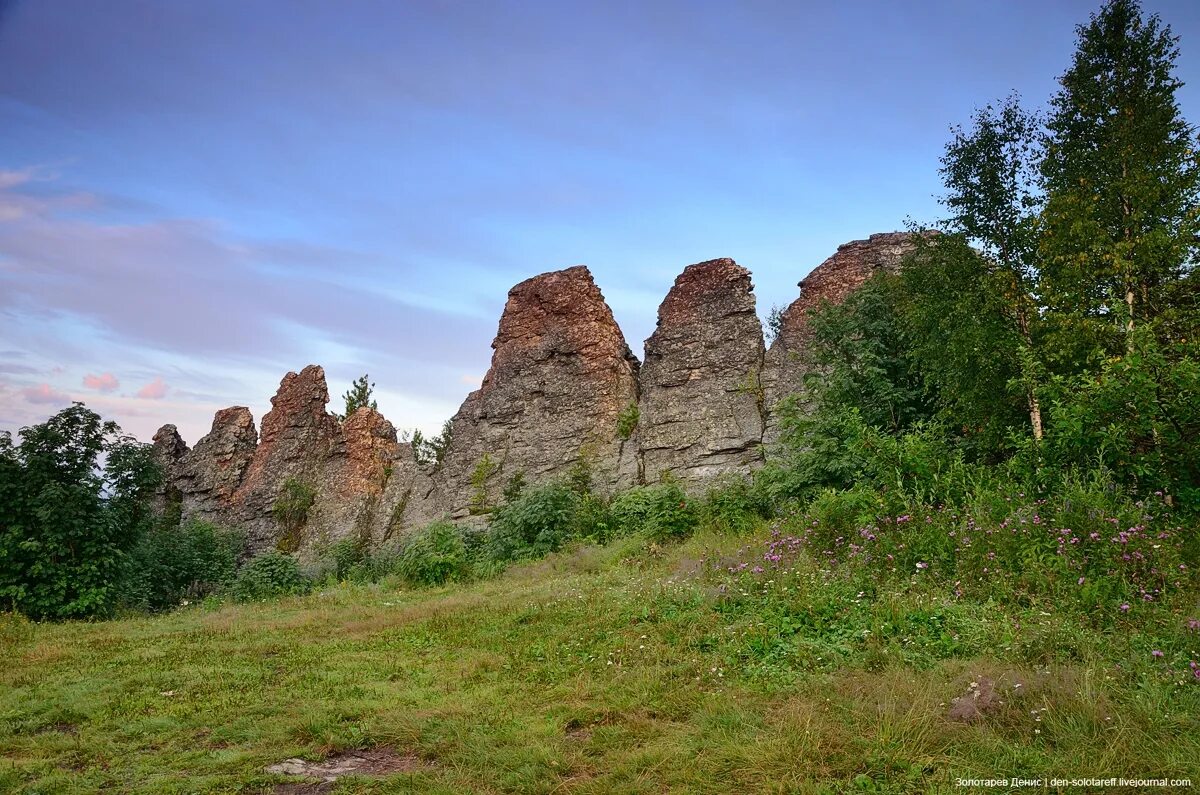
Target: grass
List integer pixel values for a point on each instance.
(624, 669)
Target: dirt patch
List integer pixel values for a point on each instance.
(62, 727)
(371, 762)
(979, 699)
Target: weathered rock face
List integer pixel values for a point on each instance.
(365, 483)
(208, 476)
(830, 282)
(168, 450)
(560, 377)
(701, 412)
(561, 381)
(297, 437)
(351, 479)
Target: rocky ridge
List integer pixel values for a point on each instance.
(563, 388)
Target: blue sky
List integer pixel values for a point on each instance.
(196, 197)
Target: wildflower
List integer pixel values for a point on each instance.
(1080, 581)
(1156, 653)
(1193, 624)
(922, 565)
(1125, 607)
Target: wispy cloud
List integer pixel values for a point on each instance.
(44, 394)
(105, 382)
(155, 390)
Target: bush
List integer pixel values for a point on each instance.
(291, 512)
(171, 564)
(349, 556)
(732, 507)
(537, 523)
(627, 421)
(661, 512)
(267, 575)
(434, 555)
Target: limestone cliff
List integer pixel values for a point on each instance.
(563, 387)
(701, 402)
(561, 375)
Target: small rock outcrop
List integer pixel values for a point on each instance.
(831, 282)
(561, 375)
(701, 409)
(209, 474)
(168, 450)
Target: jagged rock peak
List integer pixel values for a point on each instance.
(715, 287)
(701, 416)
(233, 423)
(371, 445)
(832, 282)
(561, 375)
(212, 471)
(300, 401)
(168, 445)
(557, 312)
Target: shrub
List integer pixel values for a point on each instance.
(732, 507)
(627, 421)
(593, 520)
(348, 556)
(171, 564)
(291, 512)
(537, 523)
(481, 500)
(266, 575)
(433, 555)
(662, 511)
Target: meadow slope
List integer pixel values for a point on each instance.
(621, 669)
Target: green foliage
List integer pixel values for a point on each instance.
(865, 361)
(628, 420)
(357, 396)
(537, 523)
(481, 499)
(434, 555)
(774, 324)
(291, 512)
(1122, 179)
(661, 512)
(431, 451)
(268, 575)
(66, 523)
(174, 563)
(733, 506)
(514, 487)
(1139, 419)
(961, 317)
(348, 556)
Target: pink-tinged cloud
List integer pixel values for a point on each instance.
(44, 393)
(105, 382)
(155, 390)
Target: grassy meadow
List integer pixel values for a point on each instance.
(628, 668)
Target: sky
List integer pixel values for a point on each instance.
(197, 197)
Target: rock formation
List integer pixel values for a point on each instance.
(209, 474)
(561, 375)
(831, 282)
(701, 399)
(563, 387)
